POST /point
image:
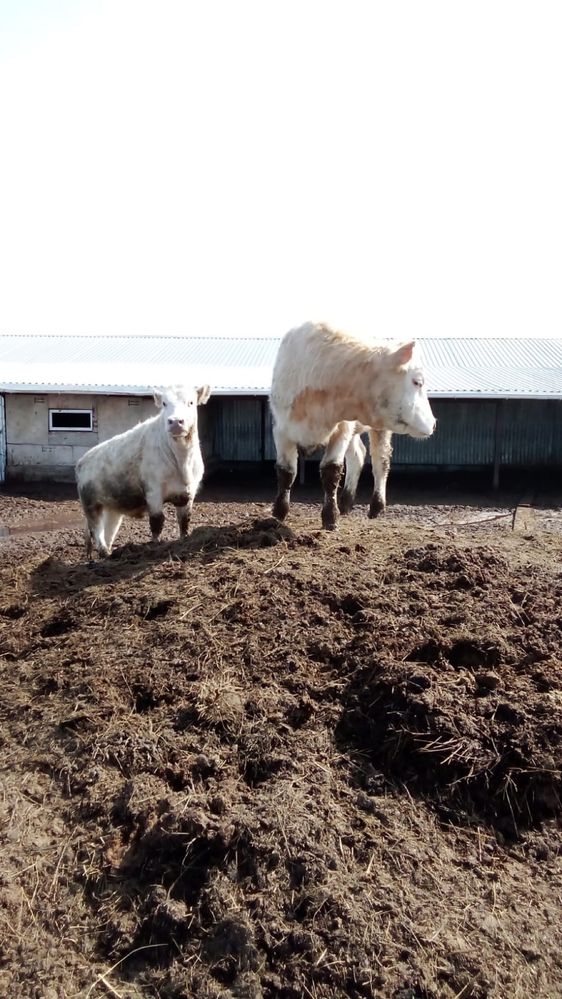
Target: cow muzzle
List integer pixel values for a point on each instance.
(176, 428)
(421, 428)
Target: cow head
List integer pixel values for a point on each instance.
(179, 408)
(409, 411)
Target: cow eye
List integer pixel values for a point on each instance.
(164, 404)
(417, 382)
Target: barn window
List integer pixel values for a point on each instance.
(70, 419)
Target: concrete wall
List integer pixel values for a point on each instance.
(35, 452)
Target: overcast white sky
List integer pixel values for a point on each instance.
(179, 167)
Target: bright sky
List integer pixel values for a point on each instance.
(238, 167)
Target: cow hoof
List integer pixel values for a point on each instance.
(376, 508)
(345, 501)
(280, 508)
(329, 520)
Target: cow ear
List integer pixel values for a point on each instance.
(403, 354)
(158, 400)
(203, 394)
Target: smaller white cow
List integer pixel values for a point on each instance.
(327, 389)
(158, 461)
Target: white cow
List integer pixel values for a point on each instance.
(158, 461)
(327, 389)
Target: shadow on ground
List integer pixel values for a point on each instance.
(54, 577)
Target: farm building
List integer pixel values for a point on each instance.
(498, 402)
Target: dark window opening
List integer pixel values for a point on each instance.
(70, 419)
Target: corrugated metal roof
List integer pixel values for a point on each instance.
(130, 365)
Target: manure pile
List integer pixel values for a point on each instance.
(274, 762)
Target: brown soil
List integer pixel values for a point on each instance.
(272, 761)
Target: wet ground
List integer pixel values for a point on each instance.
(275, 762)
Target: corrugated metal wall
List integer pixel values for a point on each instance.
(464, 435)
(238, 428)
(530, 433)
(269, 445)
(556, 407)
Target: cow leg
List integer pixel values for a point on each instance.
(156, 524)
(88, 540)
(95, 530)
(156, 517)
(183, 514)
(112, 523)
(354, 461)
(331, 468)
(381, 452)
(286, 467)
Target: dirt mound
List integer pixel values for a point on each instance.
(271, 762)
(470, 714)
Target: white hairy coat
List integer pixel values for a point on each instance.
(328, 388)
(138, 471)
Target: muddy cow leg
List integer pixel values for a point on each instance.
(156, 523)
(95, 531)
(381, 452)
(354, 461)
(90, 538)
(95, 522)
(331, 468)
(282, 504)
(184, 506)
(330, 475)
(286, 468)
(88, 541)
(155, 503)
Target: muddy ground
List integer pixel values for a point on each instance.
(275, 762)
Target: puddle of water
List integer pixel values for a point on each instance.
(39, 526)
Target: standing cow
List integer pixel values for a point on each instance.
(158, 461)
(327, 389)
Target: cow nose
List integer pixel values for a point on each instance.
(172, 420)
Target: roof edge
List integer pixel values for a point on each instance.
(141, 390)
